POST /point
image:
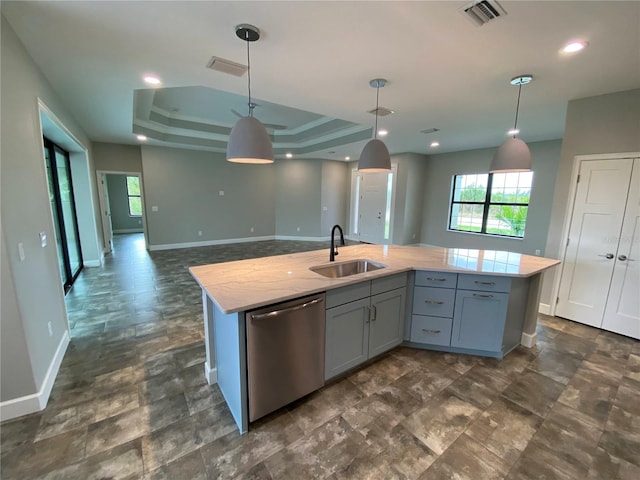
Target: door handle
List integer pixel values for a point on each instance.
(608, 256)
(622, 258)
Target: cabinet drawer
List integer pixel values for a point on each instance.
(485, 283)
(347, 294)
(433, 330)
(385, 284)
(436, 302)
(436, 279)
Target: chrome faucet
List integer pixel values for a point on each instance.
(334, 249)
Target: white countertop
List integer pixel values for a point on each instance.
(247, 284)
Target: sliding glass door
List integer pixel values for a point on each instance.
(64, 212)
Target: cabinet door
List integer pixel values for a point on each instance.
(387, 321)
(347, 337)
(478, 320)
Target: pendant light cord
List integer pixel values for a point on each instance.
(249, 74)
(515, 124)
(375, 133)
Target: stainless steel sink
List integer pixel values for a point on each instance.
(344, 269)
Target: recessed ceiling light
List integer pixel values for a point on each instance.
(151, 80)
(347, 158)
(383, 132)
(573, 47)
(142, 138)
(513, 131)
(435, 144)
(289, 155)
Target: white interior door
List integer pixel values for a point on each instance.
(105, 211)
(594, 232)
(374, 207)
(622, 312)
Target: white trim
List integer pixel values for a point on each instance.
(304, 239)
(211, 374)
(92, 263)
(568, 214)
(544, 308)
(528, 339)
(36, 402)
(128, 230)
(206, 243)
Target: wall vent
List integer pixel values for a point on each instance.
(382, 111)
(483, 11)
(227, 66)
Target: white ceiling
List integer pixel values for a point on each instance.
(318, 56)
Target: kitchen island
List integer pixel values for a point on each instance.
(433, 278)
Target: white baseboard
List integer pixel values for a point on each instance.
(17, 407)
(544, 308)
(303, 239)
(206, 243)
(128, 230)
(92, 263)
(211, 374)
(528, 339)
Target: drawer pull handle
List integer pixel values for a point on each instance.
(482, 296)
(431, 279)
(433, 302)
(427, 330)
(484, 283)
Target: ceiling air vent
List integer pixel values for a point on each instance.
(381, 111)
(227, 66)
(484, 11)
(430, 130)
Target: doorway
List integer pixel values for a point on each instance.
(63, 207)
(372, 202)
(600, 277)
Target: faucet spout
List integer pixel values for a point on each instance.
(334, 249)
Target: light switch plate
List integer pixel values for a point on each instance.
(154, 208)
(43, 239)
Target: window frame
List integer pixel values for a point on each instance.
(129, 196)
(486, 204)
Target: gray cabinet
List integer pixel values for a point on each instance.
(468, 313)
(363, 321)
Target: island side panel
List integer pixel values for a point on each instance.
(210, 372)
(231, 363)
(529, 335)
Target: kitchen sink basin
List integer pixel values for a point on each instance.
(345, 269)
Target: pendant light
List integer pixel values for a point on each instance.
(249, 141)
(375, 155)
(513, 155)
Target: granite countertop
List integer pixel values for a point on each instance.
(247, 284)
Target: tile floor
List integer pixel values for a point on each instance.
(131, 401)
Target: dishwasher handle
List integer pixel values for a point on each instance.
(277, 313)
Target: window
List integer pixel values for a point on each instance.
(492, 204)
(133, 194)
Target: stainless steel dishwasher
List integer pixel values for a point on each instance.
(285, 353)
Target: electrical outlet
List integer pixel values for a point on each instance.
(221, 193)
(154, 208)
(199, 233)
(43, 239)
(50, 328)
(538, 252)
(297, 229)
(251, 229)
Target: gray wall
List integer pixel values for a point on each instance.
(298, 196)
(437, 190)
(185, 185)
(121, 221)
(602, 124)
(333, 196)
(407, 221)
(35, 282)
(116, 158)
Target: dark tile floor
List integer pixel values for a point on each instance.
(131, 401)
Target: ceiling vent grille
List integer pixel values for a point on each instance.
(227, 66)
(381, 111)
(429, 130)
(483, 11)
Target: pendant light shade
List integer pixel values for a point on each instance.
(375, 154)
(375, 157)
(249, 141)
(513, 155)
